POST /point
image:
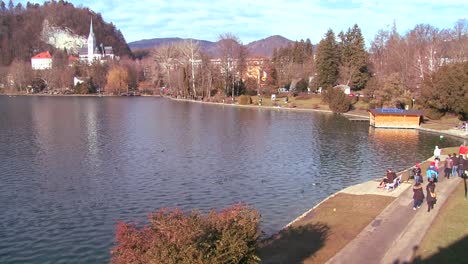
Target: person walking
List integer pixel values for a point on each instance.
(448, 164)
(461, 169)
(431, 173)
(437, 152)
(455, 164)
(430, 195)
(417, 174)
(418, 195)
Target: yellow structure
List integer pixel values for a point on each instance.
(395, 118)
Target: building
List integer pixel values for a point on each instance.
(395, 118)
(91, 52)
(41, 61)
(345, 88)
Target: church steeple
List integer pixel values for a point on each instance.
(91, 43)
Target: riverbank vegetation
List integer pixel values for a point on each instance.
(172, 236)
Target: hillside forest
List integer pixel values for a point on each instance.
(427, 64)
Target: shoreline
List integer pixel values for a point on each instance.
(455, 133)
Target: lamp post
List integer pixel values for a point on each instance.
(413, 100)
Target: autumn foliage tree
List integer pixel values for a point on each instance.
(173, 236)
(117, 79)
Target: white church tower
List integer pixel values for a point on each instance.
(91, 43)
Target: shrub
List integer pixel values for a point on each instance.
(230, 236)
(244, 100)
(337, 100)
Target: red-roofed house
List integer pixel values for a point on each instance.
(42, 61)
(72, 59)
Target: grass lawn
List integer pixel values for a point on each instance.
(323, 232)
(447, 239)
(445, 123)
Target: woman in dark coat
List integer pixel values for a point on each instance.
(418, 195)
(431, 199)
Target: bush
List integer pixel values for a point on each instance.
(337, 100)
(230, 236)
(433, 113)
(244, 100)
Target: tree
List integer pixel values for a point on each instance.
(327, 61)
(233, 56)
(166, 57)
(353, 64)
(21, 75)
(447, 90)
(98, 73)
(337, 100)
(191, 51)
(230, 236)
(117, 79)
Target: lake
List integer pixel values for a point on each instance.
(71, 167)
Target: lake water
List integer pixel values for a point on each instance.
(71, 167)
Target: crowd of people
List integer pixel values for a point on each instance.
(454, 165)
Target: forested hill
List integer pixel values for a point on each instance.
(21, 28)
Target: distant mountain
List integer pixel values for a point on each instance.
(263, 47)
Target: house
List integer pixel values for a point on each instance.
(345, 88)
(91, 52)
(72, 60)
(395, 118)
(41, 61)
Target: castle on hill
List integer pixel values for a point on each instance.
(91, 52)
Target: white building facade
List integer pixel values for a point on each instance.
(41, 61)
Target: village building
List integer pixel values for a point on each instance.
(395, 118)
(91, 52)
(41, 61)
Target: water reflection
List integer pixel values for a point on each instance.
(71, 167)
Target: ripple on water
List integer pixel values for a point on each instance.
(71, 168)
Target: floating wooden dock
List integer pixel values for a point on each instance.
(357, 119)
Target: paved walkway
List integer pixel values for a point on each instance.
(394, 233)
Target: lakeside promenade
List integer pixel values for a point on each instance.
(394, 235)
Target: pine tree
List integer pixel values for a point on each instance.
(353, 59)
(327, 61)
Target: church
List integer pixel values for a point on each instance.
(91, 52)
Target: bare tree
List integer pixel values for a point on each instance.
(20, 73)
(167, 58)
(233, 56)
(190, 50)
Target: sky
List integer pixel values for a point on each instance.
(252, 20)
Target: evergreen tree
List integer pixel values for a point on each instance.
(327, 61)
(353, 59)
(447, 90)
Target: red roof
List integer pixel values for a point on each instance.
(43, 55)
(72, 59)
